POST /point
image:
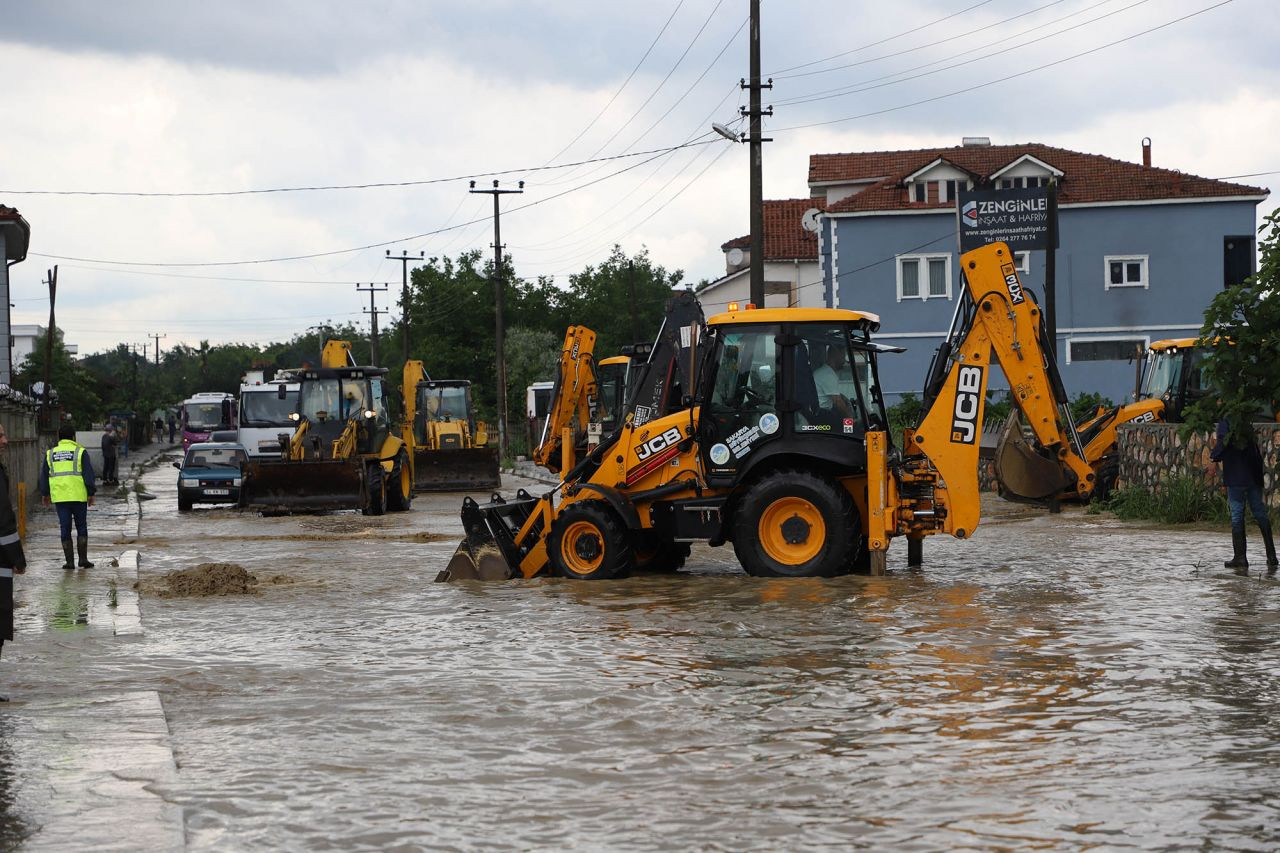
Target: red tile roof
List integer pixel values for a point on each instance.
(1086, 177)
(784, 238)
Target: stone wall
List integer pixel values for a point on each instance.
(1151, 454)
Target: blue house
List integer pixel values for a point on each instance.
(1142, 250)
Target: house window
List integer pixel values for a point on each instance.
(920, 192)
(1022, 260)
(1125, 271)
(1021, 183)
(1105, 349)
(924, 277)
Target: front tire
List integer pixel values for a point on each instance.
(376, 502)
(795, 524)
(184, 504)
(400, 487)
(588, 542)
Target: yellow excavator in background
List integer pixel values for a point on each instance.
(1169, 382)
(574, 403)
(450, 448)
(767, 428)
(344, 452)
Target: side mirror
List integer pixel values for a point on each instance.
(178, 465)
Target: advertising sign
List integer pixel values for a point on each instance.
(1019, 217)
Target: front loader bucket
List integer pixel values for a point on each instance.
(489, 551)
(1024, 473)
(303, 486)
(455, 470)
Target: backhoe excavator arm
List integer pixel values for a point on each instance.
(573, 398)
(933, 488)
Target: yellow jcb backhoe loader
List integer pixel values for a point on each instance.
(344, 453)
(574, 403)
(766, 428)
(450, 448)
(1170, 381)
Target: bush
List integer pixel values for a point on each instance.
(1085, 405)
(904, 414)
(1180, 500)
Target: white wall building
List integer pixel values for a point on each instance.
(792, 275)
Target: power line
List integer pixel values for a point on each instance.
(605, 108)
(378, 245)
(851, 87)
(377, 185)
(1007, 77)
(778, 74)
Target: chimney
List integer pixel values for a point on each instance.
(975, 142)
(1146, 151)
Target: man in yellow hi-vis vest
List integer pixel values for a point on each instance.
(66, 479)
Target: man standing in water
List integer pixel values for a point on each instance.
(66, 479)
(12, 560)
(1242, 474)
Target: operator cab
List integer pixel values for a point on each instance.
(1173, 375)
(775, 377)
(331, 397)
(611, 381)
(443, 401)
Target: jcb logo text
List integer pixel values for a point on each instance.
(964, 421)
(661, 442)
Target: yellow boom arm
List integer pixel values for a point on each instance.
(573, 399)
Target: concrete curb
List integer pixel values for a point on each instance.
(127, 615)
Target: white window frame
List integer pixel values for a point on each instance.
(1022, 261)
(923, 260)
(1108, 260)
(1146, 343)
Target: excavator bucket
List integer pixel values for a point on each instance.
(489, 551)
(1025, 473)
(276, 485)
(454, 470)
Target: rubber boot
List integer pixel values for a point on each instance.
(1270, 544)
(82, 545)
(71, 557)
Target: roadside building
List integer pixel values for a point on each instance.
(791, 274)
(1142, 250)
(24, 336)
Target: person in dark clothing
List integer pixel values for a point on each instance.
(1242, 474)
(173, 428)
(66, 479)
(109, 459)
(12, 560)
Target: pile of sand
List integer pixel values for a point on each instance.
(207, 579)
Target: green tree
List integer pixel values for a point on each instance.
(600, 298)
(1241, 332)
(74, 385)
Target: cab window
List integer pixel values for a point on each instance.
(832, 383)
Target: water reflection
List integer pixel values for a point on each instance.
(70, 611)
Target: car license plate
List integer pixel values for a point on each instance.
(217, 491)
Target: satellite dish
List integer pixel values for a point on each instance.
(809, 221)
(735, 257)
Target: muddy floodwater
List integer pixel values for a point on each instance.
(1058, 682)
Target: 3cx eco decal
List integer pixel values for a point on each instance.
(719, 454)
(964, 419)
(769, 423)
(1012, 283)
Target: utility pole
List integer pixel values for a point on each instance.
(48, 342)
(157, 340)
(404, 292)
(499, 300)
(373, 311)
(754, 112)
(631, 288)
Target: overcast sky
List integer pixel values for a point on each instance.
(170, 96)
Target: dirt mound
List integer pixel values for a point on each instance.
(207, 579)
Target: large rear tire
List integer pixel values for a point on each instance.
(376, 497)
(588, 542)
(400, 486)
(795, 524)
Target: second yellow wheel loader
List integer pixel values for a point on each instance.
(1170, 381)
(767, 429)
(344, 453)
(450, 448)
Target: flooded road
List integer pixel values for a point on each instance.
(1063, 681)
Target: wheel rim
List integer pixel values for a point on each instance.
(792, 531)
(582, 548)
